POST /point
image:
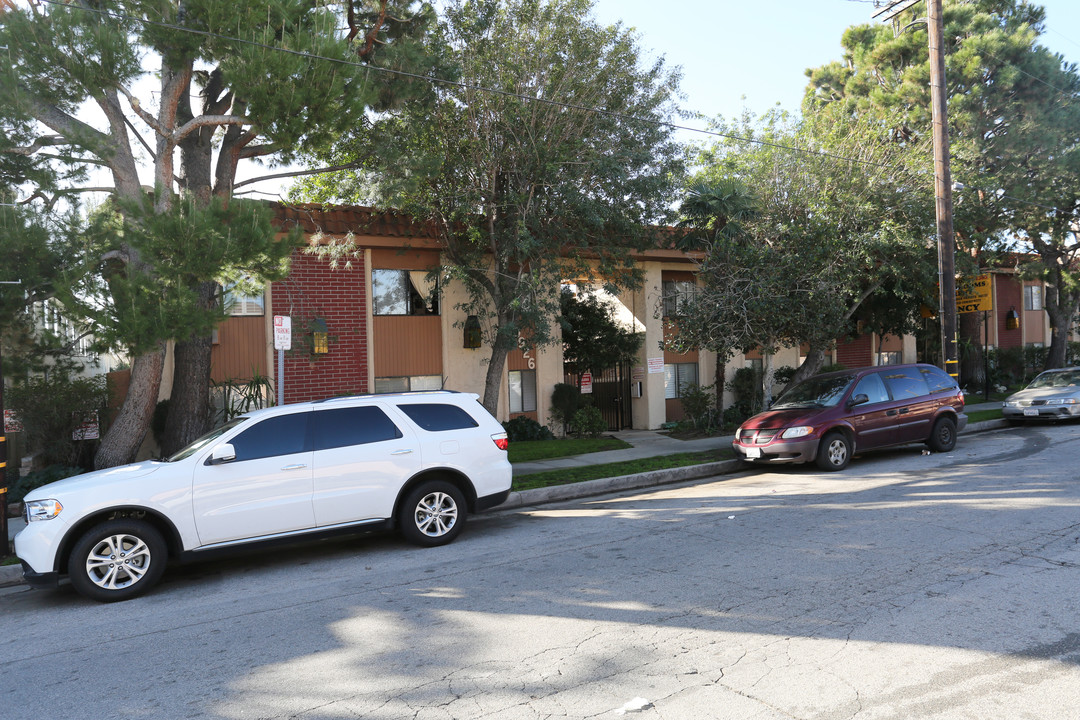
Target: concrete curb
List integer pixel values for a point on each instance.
(12, 574)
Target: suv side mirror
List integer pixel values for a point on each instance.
(222, 454)
(859, 399)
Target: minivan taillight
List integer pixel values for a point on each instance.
(501, 441)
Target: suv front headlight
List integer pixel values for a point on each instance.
(42, 510)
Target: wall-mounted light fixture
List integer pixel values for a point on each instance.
(1012, 319)
(472, 332)
(320, 337)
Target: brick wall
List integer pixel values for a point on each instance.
(338, 297)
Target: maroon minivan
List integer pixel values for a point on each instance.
(830, 417)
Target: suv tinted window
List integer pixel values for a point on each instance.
(342, 427)
(906, 383)
(873, 388)
(435, 417)
(937, 379)
(281, 435)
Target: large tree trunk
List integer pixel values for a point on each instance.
(189, 405)
(767, 376)
(493, 380)
(815, 359)
(1061, 308)
(121, 443)
(719, 379)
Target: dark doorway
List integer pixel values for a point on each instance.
(610, 395)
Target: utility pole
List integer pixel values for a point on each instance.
(5, 546)
(942, 176)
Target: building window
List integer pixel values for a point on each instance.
(890, 357)
(522, 391)
(415, 383)
(403, 292)
(1033, 297)
(678, 377)
(238, 304)
(676, 295)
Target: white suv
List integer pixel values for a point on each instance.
(420, 460)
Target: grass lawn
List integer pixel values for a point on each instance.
(594, 472)
(529, 450)
(981, 415)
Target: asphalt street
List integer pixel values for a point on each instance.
(908, 586)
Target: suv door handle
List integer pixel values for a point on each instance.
(402, 452)
(298, 466)
(904, 410)
(890, 413)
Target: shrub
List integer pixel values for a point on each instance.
(831, 367)
(565, 401)
(745, 386)
(698, 403)
(525, 428)
(588, 422)
(37, 478)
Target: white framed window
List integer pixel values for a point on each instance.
(403, 292)
(1033, 299)
(677, 377)
(522, 390)
(890, 357)
(240, 305)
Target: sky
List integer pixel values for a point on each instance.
(745, 54)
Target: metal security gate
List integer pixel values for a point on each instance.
(610, 395)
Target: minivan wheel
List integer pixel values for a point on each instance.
(943, 436)
(834, 452)
(432, 514)
(117, 560)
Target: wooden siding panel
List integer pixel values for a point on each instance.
(241, 349)
(407, 345)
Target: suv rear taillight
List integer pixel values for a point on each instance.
(501, 441)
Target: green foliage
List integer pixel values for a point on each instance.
(565, 401)
(523, 428)
(233, 398)
(139, 305)
(592, 339)
(783, 375)
(525, 192)
(531, 450)
(36, 478)
(1013, 126)
(51, 408)
(699, 402)
(746, 388)
(588, 422)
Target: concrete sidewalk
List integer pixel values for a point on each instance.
(646, 443)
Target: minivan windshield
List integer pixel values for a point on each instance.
(815, 392)
(205, 440)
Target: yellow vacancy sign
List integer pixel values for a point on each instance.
(973, 294)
